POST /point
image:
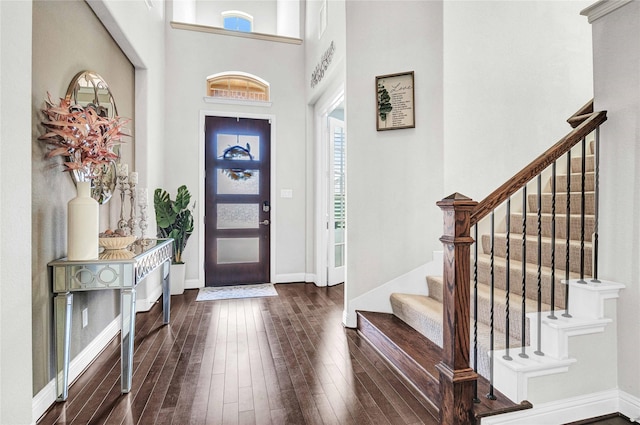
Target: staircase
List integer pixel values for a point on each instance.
(533, 238)
(424, 313)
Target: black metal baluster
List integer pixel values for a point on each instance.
(567, 236)
(507, 281)
(596, 195)
(491, 395)
(523, 332)
(475, 310)
(539, 275)
(553, 240)
(582, 209)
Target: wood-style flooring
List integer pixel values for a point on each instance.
(273, 360)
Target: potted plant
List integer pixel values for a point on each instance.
(174, 220)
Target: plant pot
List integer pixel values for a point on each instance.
(177, 278)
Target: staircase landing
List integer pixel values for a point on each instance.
(415, 357)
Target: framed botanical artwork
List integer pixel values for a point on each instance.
(395, 107)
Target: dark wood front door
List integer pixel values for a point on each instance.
(237, 197)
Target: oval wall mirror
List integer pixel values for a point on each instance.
(88, 88)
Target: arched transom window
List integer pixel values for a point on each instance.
(237, 85)
(236, 20)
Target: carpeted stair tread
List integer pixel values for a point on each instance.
(515, 250)
(561, 224)
(576, 163)
(484, 263)
(576, 182)
(561, 202)
(500, 302)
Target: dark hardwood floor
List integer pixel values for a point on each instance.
(274, 360)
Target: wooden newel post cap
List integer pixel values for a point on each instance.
(456, 199)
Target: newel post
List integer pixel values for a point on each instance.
(457, 378)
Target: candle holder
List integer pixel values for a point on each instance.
(142, 205)
(123, 185)
(132, 200)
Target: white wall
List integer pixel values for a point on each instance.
(316, 46)
(513, 72)
(139, 31)
(616, 43)
(15, 213)
(329, 86)
(191, 57)
(288, 18)
(394, 177)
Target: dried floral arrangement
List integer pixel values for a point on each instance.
(81, 135)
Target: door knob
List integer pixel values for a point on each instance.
(265, 222)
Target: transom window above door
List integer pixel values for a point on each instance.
(237, 85)
(236, 20)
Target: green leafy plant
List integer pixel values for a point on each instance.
(174, 219)
(384, 102)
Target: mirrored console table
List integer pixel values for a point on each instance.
(122, 270)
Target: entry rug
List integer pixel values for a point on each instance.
(241, 291)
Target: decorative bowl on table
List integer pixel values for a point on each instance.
(116, 242)
(116, 254)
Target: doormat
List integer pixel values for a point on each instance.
(241, 291)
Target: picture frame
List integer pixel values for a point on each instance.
(395, 107)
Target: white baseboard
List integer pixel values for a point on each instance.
(153, 292)
(47, 396)
(629, 406)
(349, 319)
(290, 277)
(567, 410)
(193, 284)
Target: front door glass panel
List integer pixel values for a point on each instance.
(238, 216)
(232, 184)
(238, 250)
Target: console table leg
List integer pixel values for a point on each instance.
(166, 291)
(63, 307)
(128, 309)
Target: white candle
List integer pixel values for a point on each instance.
(133, 177)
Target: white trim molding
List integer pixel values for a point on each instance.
(222, 31)
(572, 409)
(222, 101)
(602, 8)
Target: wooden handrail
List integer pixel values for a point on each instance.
(581, 114)
(538, 165)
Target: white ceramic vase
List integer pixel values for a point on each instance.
(82, 225)
(177, 278)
